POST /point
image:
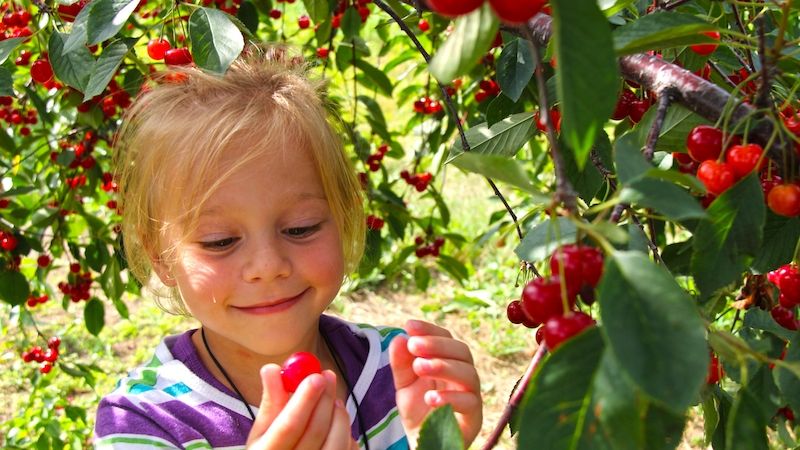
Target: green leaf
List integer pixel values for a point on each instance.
(350, 23)
(380, 80)
(6, 82)
(500, 168)
(78, 37)
(654, 329)
(774, 251)
(503, 138)
(454, 267)
(556, 409)
(725, 242)
(540, 241)
(515, 68)
(73, 68)
(746, 428)
(664, 197)
(472, 37)
(216, 40)
(107, 17)
(422, 277)
(660, 30)
(788, 381)
(678, 122)
(7, 142)
(318, 10)
(248, 16)
(14, 288)
(440, 431)
(615, 397)
(94, 316)
(587, 78)
(588, 181)
(762, 320)
(441, 204)
(8, 46)
(501, 107)
(106, 66)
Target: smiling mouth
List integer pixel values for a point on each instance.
(273, 307)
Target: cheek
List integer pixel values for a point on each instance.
(197, 278)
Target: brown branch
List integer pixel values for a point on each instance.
(516, 397)
(664, 100)
(762, 97)
(451, 109)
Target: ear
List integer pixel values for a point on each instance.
(162, 269)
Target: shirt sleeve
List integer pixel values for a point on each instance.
(125, 427)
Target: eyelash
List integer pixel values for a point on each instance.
(296, 232)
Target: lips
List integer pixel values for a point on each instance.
(271, 307)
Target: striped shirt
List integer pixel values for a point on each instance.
(173, 401)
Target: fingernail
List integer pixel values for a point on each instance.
(433, 398)
(316, 382)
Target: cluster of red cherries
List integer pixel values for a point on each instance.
(420, 181)
(424, 248)
(374, 160)
(78, 284)
(47, 358)
(15, 22)
(18, 116)
(34, 300)
(427, 106)
(488, 89)
(375, 223)
(787, 280)
(509, 11)
(543, 299)
(720, 161)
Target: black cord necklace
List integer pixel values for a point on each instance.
(336, 359)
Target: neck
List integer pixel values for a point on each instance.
(243, 365)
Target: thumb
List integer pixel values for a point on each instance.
(273, 399)
(400, 360)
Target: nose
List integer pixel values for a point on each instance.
(266, 260)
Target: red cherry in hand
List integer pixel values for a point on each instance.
(784, 200)
(297, 367)
(562, 328)
(742, 159)
(453, 8)
(156, 48)
(516, 11)
(716, 176)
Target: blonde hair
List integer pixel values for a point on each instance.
(170, 149)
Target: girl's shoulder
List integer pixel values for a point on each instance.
(167, 402)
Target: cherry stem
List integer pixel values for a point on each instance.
(740, 24)
(664, 99)
(516, 398)
(447, 100)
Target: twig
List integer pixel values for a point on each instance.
(762, 98)
(564, 191)
(721, 73)
(664, 99)
(516, 397)
(674, 4)
(750, 66)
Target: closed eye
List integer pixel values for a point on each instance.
(220, 244)
(301, 232)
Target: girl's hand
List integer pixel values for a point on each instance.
(432, 369)
(311, 419)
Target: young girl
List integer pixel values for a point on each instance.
(238, 196)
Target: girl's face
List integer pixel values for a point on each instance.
(265, 259)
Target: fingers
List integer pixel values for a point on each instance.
(462, 402)
(439, 347)
(319, 425)
(400, 359)
(290, 425)
(459, 373)
(339, 436)
(422, 328)
(273, 399)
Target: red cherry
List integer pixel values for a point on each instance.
(178, 56)
(304, 22)
(744, 158)
(453, 8)
(8, 242)
(514, 312)
(516, 11)
(423, 25)
(716, 176)
(43, 261)
(784, 200)
(54, 342)
(46, 368)
(541, 299)
(156, 48)
(322, 52)
(706, 49)
(561, 328)
(555, 120)
(67, 13)
(785, 318)
(638, 108)
(715, 370)
(41, 71)
(297, 368)
(787, 413)
(787, 279)
(704, 142)
(623, 107)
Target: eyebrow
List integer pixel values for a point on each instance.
(301, 196)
